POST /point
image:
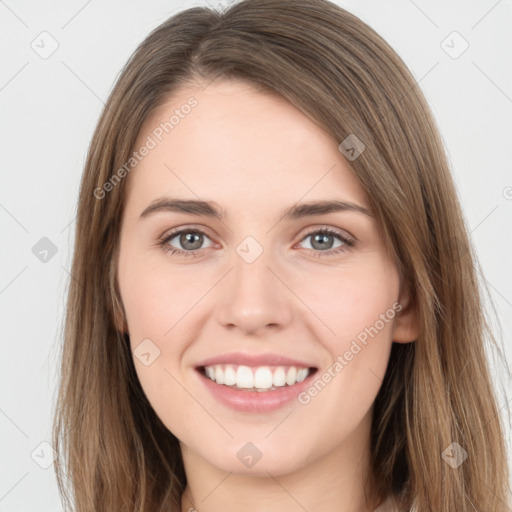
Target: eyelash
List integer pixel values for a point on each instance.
(347, 242)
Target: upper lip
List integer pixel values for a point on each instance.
(238, 358)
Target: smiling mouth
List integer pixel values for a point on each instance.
(256, 379)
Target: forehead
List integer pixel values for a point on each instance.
(241, 147)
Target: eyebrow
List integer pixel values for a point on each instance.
(211, 209)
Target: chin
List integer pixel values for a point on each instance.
(258, 458)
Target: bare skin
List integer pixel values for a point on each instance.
(255, 155)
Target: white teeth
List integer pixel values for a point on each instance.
(244, 377)
(262, 378)
(302, 374)
(279, 378)
(219, 375)
(291, 376)
(229, 376)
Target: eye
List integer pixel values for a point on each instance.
(191, 241)
(322, 242)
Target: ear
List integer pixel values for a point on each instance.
(406, 324)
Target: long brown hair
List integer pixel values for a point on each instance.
(437, 390)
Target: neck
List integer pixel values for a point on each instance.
(333, 482)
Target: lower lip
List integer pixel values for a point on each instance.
(255, 401)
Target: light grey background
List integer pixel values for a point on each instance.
(49, 108)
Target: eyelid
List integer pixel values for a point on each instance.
(189, 228)
(332, 230)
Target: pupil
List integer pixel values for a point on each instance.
(319, 238)
(188, 238)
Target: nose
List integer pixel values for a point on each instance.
(254, 298)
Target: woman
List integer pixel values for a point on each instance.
(275, 304)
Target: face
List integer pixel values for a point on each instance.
(244, 293)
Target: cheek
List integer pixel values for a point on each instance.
(352, 299)
(155, 299)
(358, 307)
(156, 304)
(161, 311)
